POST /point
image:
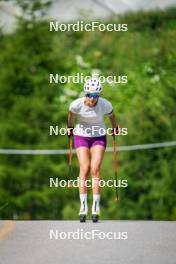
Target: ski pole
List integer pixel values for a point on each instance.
(115, 167)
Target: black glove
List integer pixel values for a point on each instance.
(70, 131)
(115, 131)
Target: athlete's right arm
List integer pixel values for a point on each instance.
(70, 123)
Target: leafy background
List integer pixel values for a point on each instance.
(146, 106)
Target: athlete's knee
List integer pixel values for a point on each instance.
(85, 168)
(95, 169)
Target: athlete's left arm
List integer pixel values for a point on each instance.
(70, 122)
(112, 119)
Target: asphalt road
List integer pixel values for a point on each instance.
(28, 242)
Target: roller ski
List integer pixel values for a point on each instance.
(95, 218)
(82, 218)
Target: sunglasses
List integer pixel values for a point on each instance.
(92, 95)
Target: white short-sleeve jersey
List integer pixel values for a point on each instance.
(90, 119)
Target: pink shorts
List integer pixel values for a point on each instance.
(80, 141)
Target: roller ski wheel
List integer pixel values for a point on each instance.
(95, 218)
(82, 218)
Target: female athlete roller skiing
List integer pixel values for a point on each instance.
(90, 140)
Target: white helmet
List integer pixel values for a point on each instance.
(92, 85)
